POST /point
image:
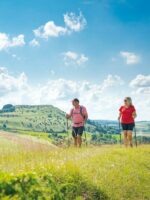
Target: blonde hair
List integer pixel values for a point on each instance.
(129, 100)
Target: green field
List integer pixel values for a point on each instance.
(31, 169)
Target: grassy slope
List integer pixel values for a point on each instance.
(44, 118)
(36, 118)
(89, 173)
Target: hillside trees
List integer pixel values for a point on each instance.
(8, 108)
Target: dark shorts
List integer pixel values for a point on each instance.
(128, 127)
(77, 131)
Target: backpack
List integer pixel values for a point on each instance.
(81, 112)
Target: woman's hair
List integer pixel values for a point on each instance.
(129, 100)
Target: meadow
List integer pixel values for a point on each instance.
(32, 169)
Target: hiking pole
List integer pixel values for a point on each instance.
(120, 131)
(85, 135)
(67, 132)
(135, 136)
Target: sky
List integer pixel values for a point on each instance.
(52, 51)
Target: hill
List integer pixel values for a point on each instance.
(49, 122)
(40, 118)
(43, 118)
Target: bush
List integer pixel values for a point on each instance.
(4, 126)
(46, 186)
(8, 108)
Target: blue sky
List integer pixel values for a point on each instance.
(97, 50)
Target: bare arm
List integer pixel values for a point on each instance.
(134, 115)
(85, 115)
(119, 117)
(68, 116)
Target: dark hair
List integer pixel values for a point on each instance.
(76, 100)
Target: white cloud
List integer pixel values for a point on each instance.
(96, 97)
(3, 70)
(71, 55)
(82, 59)
(112, 81)
(74, 22)
(141, 84)
(17, 41)
(7, 42)
(34, 43)
(59, 92)
(9, 84)
(102, 99)
(50, 30)
(130, 57)
(141, 81)
(73, 58)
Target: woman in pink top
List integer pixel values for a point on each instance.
(79, 116)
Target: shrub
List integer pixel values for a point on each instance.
(8, 108)
(46, 186)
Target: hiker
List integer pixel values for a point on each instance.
(79, 115)
(127, 114)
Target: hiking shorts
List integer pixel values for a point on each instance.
(128, 127)
(77, 131)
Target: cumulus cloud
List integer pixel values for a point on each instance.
(140, 86)
(130, 57)
(102, 99)
(9, 83)
(7, 42)
(59, 92)
(141, 83)
(34, 43)
(97, 97)
(49, 30)
(73, 58)
(73, 23)
(112, 81)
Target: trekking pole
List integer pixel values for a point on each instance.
(67, 132)
(120, 131)
(135, 136)
(85, 135)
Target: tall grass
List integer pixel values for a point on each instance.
(92, 173)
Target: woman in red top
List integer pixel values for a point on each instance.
(127, 114)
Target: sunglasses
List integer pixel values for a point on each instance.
(125, 100)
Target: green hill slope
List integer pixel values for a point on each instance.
(42, 118)
(48, 121)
